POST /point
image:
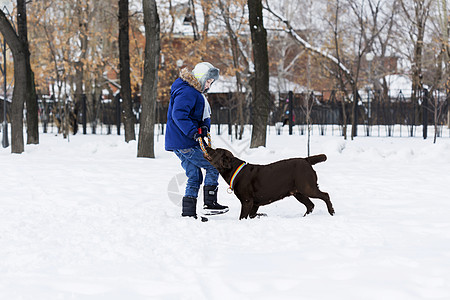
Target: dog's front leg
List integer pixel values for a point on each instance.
(253, 212)
(245, 209)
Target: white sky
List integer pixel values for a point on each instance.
(7, 3)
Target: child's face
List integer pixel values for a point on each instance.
(208, 84)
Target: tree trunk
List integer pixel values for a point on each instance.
(20, 83)
(344, 119)
(260, 88)
(79, 90)
(194, 20)
(125, 83)
(17, 106)
(31, 99)
(448, 108)
(234, 44)
(150, 82)
(416, 76)
(418, 19)
(355, 112)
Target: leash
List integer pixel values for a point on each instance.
(202, 145)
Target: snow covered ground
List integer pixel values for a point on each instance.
(86, 219)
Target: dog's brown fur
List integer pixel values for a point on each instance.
(258, 185)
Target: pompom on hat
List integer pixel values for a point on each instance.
(204, 71)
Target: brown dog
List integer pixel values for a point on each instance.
(257, 185)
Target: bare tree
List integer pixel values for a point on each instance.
(21, 84)
(445, 32)
(307, 109)
(260, 87)
(125, 82)
(193, 20)
(239, 60)
(341, 70)
(308, 46)
(207, 6)
(150, 82)
(383, 43)
(440, 49)
(437, 108)
(31, 99)
(416, 13)
(362, 44)
(351, 41)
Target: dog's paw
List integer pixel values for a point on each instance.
(258, 215)
(308, 211)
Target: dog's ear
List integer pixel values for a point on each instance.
(225, 162)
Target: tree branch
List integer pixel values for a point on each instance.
(307, 45)
(9, 34)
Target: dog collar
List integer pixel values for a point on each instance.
(230, 189)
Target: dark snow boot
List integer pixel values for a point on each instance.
(211, 207)
(189, 208)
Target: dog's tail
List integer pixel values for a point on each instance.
(316, 159)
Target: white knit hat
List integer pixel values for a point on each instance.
(204, 71)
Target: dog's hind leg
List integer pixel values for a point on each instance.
(246, 208)
(325, 197)
(305, 201)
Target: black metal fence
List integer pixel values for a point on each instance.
(326, 108)
(428, 109)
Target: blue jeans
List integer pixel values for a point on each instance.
(192, 161)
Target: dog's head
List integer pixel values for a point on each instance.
(221, 159)
(224, 161)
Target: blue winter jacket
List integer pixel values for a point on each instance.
(185, 113)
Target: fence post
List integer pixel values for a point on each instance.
(118, 113)
(291, 111)
(448, 109)
(83, 117)
(5, 141)
(44, 113)
(218, 120)
(355, 130)
(230, 128)
(425, 113)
